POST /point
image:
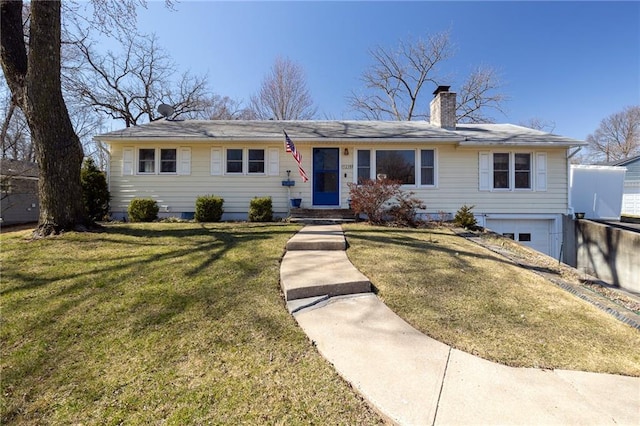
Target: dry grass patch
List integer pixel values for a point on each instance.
(159, 323)
(474, 300)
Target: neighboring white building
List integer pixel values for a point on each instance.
(631, 195)
(596, 191)
(517, 178)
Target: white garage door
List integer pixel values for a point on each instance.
(631, 200)
(535, 233)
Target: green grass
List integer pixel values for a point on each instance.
(474, 300)
(159, 323)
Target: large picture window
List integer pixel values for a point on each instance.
(399, 165)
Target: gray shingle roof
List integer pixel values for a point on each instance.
(335, 131)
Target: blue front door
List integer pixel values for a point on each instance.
(326, 176)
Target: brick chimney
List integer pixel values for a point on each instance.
(443, 108)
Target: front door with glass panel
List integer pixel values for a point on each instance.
(326, 176)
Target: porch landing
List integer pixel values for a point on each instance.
(321, 216)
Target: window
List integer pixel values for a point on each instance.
(508, 170)
(524, 237)
(147, 160)
(256, 161)
(168, 160)
(364, 165)
(427, 167)
(522, 171)
(397, 165)
(501, 171)
(234, 161)
(509, 235)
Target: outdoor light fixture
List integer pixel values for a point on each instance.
(346, 151)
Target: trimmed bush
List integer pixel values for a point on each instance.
(208, 208)
(143, 210)
(261, 209)
(464, 218)
(95, 191)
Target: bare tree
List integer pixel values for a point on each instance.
(225, 108)
(538, 123)
(479, 94)
(130, 85)
(283, 94)
(618, 136)
(395, 84)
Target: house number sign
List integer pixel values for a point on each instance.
(347, 166)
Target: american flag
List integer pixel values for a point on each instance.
(290, 147)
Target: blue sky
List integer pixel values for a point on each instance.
(572, 63)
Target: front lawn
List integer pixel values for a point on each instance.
(473, 299)
(159, 323)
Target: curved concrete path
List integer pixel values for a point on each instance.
(412, 379)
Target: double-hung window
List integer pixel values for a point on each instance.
(168, 160)
(364, 165)
(522, 171)
(511, 171)
(427, 167)
(234, 160)
(501, 168)
(256, 161)
(147, 160)
(245, 161)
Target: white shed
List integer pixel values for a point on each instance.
(597, 191)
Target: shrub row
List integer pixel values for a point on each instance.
(209, 208)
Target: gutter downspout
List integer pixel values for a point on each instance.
(569, 179)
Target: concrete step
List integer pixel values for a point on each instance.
(310, 273)
(318, 237)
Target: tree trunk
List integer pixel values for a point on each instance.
(37, 89)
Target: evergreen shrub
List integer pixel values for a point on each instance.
(209, 208)
(261, 209)
(143, 210)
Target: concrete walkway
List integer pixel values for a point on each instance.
(412, 379)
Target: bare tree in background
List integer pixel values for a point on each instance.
(397, 85)
(617, 137)
(283, 94)
(538, 123)
(129, 86)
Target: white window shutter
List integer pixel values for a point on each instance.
(216, 161)
(484, 168)
(541, 171)
(185, 161)
(274, 162)
(127, 161)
